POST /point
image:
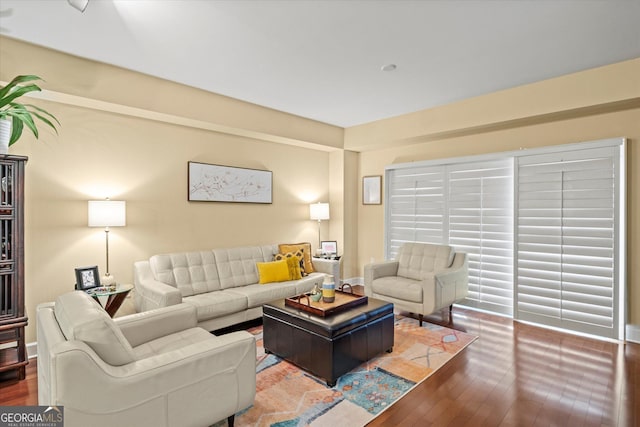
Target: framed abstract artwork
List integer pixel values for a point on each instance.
(215, 183)
(372, 190)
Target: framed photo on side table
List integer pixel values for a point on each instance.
(372, 190)
(87, 278)
(329, 247)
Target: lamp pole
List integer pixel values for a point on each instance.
(106, 234)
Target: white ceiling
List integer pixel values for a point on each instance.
(321, 59)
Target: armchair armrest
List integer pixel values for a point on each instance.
(452, 284)
(143, 327)
(151, 293)
(376, 270)
(457, 273)
(381, 269)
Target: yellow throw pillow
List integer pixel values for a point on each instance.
(275, 271)
(293, 263)
(306, 252)
(298, 255)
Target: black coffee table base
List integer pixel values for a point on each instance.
(328, 347)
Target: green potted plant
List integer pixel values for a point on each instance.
(15, 116)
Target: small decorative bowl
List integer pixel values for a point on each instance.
(315, 297)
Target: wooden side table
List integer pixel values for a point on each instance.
(115, 297)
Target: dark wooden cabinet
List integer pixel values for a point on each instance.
(13, 319)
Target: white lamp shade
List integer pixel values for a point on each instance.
(319, 211)
(107, 213)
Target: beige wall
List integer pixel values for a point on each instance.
(140, 155)
(597, 104)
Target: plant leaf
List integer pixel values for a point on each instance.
(18, 92)
(46, 121)
(43, 112)
(15, 82)
(26, 118)
(16, 131)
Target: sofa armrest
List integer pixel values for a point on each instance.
(143, 327)
(150, 293)
(328, 266)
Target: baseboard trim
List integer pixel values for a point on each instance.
(32, 350)
(633, 333)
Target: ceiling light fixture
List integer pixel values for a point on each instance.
(389, 67)
(81, 5)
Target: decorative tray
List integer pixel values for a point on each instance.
(343, 301)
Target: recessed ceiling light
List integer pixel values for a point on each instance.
(389, 67)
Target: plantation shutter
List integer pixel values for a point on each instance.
(480, 210)
(415, 207)
(566, 246)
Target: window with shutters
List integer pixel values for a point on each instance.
(567, 240)
(415, 206)
(543, 229)
(480, 211)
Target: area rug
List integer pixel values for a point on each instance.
(288, 396)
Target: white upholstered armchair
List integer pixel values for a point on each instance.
(422, 279)
(148, 369)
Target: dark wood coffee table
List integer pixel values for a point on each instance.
(331, 346)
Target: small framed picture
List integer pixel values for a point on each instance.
(372, 190)
(87, 278)
(329, 247)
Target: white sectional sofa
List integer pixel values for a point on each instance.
(222, 284)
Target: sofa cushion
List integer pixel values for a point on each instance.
(273, 271)
(293, 247)
(216, 304)
(82, 319)
(416, 259)
(192, 273)
(398, 287)
(257, 295)
(237, 266)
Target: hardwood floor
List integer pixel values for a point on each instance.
(513, 375)
(521, 375)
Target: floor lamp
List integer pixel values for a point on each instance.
(107, 213)
(320, 212)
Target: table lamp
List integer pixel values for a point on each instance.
(107, 213)
(319, 211)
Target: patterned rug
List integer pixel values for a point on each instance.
(288, 396)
